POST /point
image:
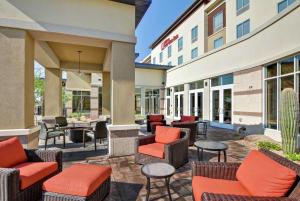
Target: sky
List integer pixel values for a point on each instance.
(160, 15)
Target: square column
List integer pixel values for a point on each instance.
(122, 77)
(206, 100)
(123, 131)
(143, 101)
(162, 100)
(106, 93)
(94, 102)
(17, 86)
(53, 92)
(186, 99)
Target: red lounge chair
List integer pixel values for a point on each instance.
(155, 120)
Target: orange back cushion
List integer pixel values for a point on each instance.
(262, 176)
(166, 135)
(11, 153)
(156, 118)
(188, 118)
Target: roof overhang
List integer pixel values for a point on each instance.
(152, 66)
(141, 6)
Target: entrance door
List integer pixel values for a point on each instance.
(196, 103)
(178, 98)
(221, 106)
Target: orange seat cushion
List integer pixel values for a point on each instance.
(166, 135)
(32, 172)
(201, 185)
(187, 118)
(79, 180)
(156, 118)
(11, 153)
(262, 176)
(154, 149)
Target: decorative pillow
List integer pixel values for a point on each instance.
(187, 118)
(262, 176)
(156, 118)
(166, 135)
(11, 153)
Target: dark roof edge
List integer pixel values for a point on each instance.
(178, 21)
(152, 66)
(141, 6)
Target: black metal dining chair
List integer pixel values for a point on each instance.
(48, 133)
(100, 132)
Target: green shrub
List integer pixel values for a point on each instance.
(293, 157)
(268, 145)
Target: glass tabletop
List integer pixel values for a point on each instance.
(158, 170)
(211, 145)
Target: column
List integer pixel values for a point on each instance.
(162, 100)
(206, 100)
(186, 99)
(122, 77)
(172, 107)
(123, 131)
(143, 101)
(106, 93)
(53, 92)
(94, 102)
(17, 86)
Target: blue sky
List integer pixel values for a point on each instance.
(160, 15)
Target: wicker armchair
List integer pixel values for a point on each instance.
(175, 153)
(154, 120)
(227, 171)
(10, 179)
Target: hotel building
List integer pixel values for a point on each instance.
(231, 61)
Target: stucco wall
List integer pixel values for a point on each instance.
(149, 77)
(78, 82)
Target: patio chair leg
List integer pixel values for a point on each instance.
(95, 142)
(46, 143)
(64, 140)
(83, 139)
(54, 142)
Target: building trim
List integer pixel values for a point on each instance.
(152, 66)
(248, 92)
(247, 71)
(19, 132)
(251, 114)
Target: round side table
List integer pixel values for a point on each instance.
(211, 146)
(158, 171)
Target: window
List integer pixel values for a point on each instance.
(278, 76)
(180, 44)
(218, 21)
(218, 42)
(180, 60)
(160, 57)
(222, 80)
(170, 63)
(81, 102)
(197, 85)
(243, 28)
(194, 34)
(284, 4)
(169, 51)
(154, 60)
(194, 53)
(168, 101)
(241, 6)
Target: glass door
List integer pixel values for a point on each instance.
(178, 98)
(196, 103)
(221, 107)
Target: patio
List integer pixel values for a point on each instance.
(128, 183)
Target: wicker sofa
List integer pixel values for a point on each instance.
(189, 122)
(175, 153)
(229, 172)
(15, 182)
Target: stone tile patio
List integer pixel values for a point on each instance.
(128, 184)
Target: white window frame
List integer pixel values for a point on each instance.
(193, 51)
(218, 40)
(161, 57)
(242, 24)
(221, 25)
(181, 56)
(169, 51)
(243, 8)
(194, 30)
(180, 47)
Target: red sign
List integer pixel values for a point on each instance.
(168, 42)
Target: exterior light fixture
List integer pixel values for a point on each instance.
(79, 52)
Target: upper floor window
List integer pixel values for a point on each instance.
(170, 63)
(160, 57)
(194, 33)
(243, 28)
(218, 21)
(154, 60)
(194, 53)
(284, 4)
(180, 44)
(180, 60)
(241, 6)
(218, 42)
(169, 51)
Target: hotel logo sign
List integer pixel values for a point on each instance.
(168, 42)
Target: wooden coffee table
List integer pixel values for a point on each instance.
(158, 171)
(211, 146)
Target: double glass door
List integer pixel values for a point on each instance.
(196, 103)
(178, 98)
(221, 107)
